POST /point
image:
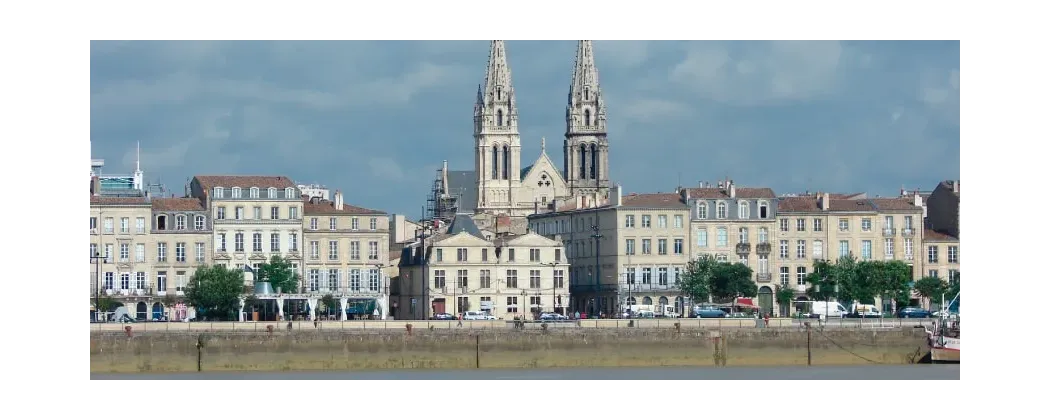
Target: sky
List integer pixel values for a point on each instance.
(375, 119)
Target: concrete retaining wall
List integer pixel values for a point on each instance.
(562, 347)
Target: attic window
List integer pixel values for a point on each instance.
(162, 222)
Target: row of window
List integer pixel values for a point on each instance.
(125, 225)
(485, 280)
(647, 246)
(127, 282)
(722, 236)
(932, 252)
(865, 224)
(333, 250)
(889, 249)
(257, 213)
(325, 280)
(463, 255)
(743, 210)
(257, 242)
(647, 221)
(644, 275)
(253, 192)
(373, 223)
(535, 302)
(124, 252)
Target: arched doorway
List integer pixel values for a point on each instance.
(765, 299)
(663, 302)
(647, 300)
(158, 311)
(631, 301)
(141, 312)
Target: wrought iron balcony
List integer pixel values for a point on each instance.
(889, 232)
(743, 248)
(638, 287)
(908, 232)
(764, 248)
(764, 277)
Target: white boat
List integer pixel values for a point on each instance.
(945, 339)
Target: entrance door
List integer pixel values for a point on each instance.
(765, 299)
(140, 311)
(439, 306)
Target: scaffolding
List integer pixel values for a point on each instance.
(441, 206)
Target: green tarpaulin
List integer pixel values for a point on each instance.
(360, 306)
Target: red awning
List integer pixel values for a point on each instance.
(746, 302)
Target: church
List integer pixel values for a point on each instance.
(499, 192)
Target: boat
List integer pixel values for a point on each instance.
(944, 339)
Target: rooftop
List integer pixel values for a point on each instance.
(207, 182)
(321, 206)
(933, 235)
(177, 204)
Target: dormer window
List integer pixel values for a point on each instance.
(721, 210)
(701, 210)
(289, 193)
(162, 222)
(763, 210)
(180, 222)
(236, 192)
(743, 210)
(271, 192)
(253, 192)
(218, 192)
(198, 223)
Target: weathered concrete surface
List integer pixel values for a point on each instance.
(562, 347)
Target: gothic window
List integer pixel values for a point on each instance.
(499, 118)
(499, 93)
(495, 162)
(586, 94)
(506, 162)
(586, 118)
(594, 161)
(583, 162)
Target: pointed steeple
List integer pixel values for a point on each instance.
(586, 107)
(586, 143)
(495, 107)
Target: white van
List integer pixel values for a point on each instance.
(670, 312)
(829, 309)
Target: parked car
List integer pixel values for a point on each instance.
(551, 316)
(913, 312)
(444, 317)
(477, 316)
(708, 312)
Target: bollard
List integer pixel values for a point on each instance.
(127, 330)
(408, 329)
(269, 329)
(678, 327)
(289, 325)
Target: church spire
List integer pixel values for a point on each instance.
(496, 105)
(586, 144)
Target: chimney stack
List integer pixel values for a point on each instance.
(955, 186)
(822, 201)
(731, 189)
(338, 200)
(617, 195)
(685, 195)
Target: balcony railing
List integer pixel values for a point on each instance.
(908, 232)
(639, 287)
(764, 248)
(743, 248)
(764, 277)
(889, 232)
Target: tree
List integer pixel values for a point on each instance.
(895, 281)
(866, 282)
(216, 290)
(107, 304)
(329, 303)
(784, 297)
(930, 287)
(730, 281)
(280, 274)
(697, 280)
(821, 282)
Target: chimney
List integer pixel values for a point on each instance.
(955, 187)
(731, 189)
(917, 199)
(822, 200)
(685, 194)
(617, 195)
(338, 200)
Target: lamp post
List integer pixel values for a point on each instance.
(523, 295)
(554, 285)
(597, 264)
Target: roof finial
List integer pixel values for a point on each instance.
(543, 145)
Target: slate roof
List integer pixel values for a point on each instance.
(657, 201)
(741, 192)
(935, 236)
(464, 223)
(463, 184)
(208, 182)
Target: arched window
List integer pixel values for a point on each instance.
(271, 192)
(763, 210)
(499, 93)
(701, 210)
(586, 94)
(218, 192)
(594, 161)
(631, 300)
(289, 192)
(743, 210)
(587, 118)
(647, 300)
(253, 192)
(198, 223)
(236, 192)
(495, 162)
(180, 222)
(583, 162)
(721, 210)
(506, 162)
(499, 117)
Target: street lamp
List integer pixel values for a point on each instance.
(554, 285)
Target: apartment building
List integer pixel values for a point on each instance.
(120, 239)
(625, 250)
(941, 240)
(181, 233)
(346, 254)
(254, 218)
(824, 226)
(459, 270)
(735, 224)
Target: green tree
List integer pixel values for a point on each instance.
(930, 287)
(784, 297)
(865, 281)
(821, 282)
(894, 282)
(696, 282)
(107, 304)
(217, 291)
(280, 274)
(330, 304)
(730, 281)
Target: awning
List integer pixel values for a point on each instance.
(745, 302)
(360, 306)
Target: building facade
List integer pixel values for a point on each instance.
(182, 242)
(736, 224)
(941, 239)
(459, 270)
(254, 218)
(121, 246)
(346, 255)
